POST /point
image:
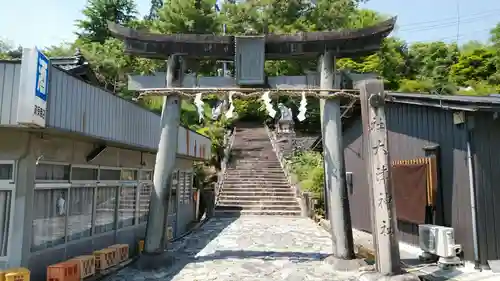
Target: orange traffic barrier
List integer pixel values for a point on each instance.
(105, 258)
(15, 274)
(86, 264)
(122, 252)
(64, 271)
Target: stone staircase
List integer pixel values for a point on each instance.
(255, 183)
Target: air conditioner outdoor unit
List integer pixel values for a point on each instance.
(440, 241)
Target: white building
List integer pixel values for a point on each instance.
(76, 165)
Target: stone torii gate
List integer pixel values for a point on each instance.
(183, 51)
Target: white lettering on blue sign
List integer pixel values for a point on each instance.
(42, 76)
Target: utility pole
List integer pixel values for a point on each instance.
(336, 188)
(388, 266)
(155, 242)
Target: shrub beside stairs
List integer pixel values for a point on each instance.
(255, 183)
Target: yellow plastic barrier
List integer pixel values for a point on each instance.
(141, 246)
(87, 265)
(105, 258)
(15, 274)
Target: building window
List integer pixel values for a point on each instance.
(189, 187)
(84, 174)
(49, 212)
(126, 207)
(146, 176)
(128, 175)
(51, 172)
(105, 209)
(5, 205)
(109, 175)
(6, 171)
(80, 212)
(184, 188)
(145, 190)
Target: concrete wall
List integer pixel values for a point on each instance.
(25, 148)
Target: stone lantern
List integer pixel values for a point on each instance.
(285, 122)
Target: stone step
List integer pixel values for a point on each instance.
(266, 202)
(258, 193)
(252, 154)
(254, 170)
(243, 172)
(255, 166)
(254, 174)
(263, 162)
(237, 184)
(235, 213)
(295, 207)
(256, 189)
(251, 177)
(257, 198)
(255, 181)
(268, 157)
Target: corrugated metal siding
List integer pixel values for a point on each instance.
(411, 128)
(359, 197)
(192, 141)
(76, 106)
(10, 73)
(486, 137)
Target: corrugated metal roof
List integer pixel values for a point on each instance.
(491, 99)
(453, 102)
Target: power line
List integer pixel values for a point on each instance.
(453, 19)
(448, 24)
(450, 37)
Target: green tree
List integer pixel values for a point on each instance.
(108, 62)
(62, 50)
(153, 10)
(182, 16)
(473, 66)
(97, 13)
(5, 48)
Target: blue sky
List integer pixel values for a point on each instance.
(30, 23)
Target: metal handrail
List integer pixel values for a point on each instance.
(282, 160)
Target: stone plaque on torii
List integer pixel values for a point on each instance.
(249, 54)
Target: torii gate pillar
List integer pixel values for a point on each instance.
(156, 240)
(336, 190)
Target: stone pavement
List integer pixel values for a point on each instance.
(248, 248)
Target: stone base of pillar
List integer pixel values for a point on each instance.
(339, 264)
(154, 261)
(373, 276)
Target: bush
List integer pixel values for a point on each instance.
(308, 168)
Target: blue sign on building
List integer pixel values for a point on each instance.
(42, 76)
